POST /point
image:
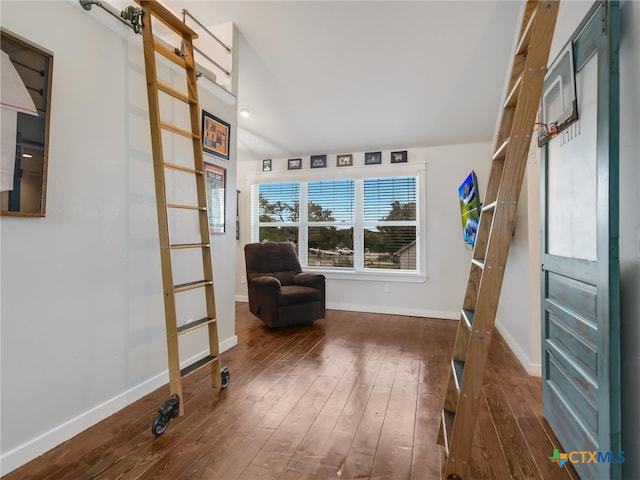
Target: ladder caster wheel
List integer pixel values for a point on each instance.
(225, 377)
(169, 410)
(160, 424)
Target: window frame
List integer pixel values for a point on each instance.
(358, 174)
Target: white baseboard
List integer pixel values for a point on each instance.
(395, 310)
(391, 310)
(534, 369)
(35, 447)
(228, 343)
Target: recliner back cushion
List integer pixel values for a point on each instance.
(286, 278)
(277, 259)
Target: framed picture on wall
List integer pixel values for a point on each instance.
(216, 135)
(216, 183)
(345, 160)
(469, 209)
(399, 157)
(294, 164)
(318, 161)
(373, 158)
(27, 72)
(266, 165)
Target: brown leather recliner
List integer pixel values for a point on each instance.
(280, 294)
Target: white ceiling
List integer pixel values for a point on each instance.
(341, 77)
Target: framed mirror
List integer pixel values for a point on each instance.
(26, 98)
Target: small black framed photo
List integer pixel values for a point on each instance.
(266, 165)
(318, 161)
(294, 164)
(399, 157)
(373, 158)
(345, 160)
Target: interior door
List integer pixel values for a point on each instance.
(580, 272)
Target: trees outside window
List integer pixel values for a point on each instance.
(338, 228)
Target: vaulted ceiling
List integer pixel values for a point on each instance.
(339, 77)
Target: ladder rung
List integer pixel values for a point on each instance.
(167, 17)
(173, 92)
(478, 262)
(501, 151)
(197, 365)
(446, 427)
(189, 327)
(180, 246)
(191, 285)
(179, 131)
(512, 97)
(468, 316)
(175, 166)
(186, 207)
(452, 394)
(523, 44)
(490, 207)
(169, 54)
(457, 370)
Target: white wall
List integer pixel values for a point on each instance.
(82, 311)
(447, 260)
(512, 317)
(516, 326)
(630, 235)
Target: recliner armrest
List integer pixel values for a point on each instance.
(266, 281)
(314, 280)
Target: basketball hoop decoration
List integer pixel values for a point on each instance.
(559, 107)
(547, 131)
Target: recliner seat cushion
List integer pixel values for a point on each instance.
(294, 294)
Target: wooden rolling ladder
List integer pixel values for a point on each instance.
(498, 214)
(183, 58)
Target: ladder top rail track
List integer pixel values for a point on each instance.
(169, 18)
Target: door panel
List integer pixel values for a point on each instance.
(580, 264)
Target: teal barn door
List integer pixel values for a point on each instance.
(580, 268)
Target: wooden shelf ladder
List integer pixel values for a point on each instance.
(184, 58)
(495, 229)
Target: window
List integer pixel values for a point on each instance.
(390, 223)
(362, 225)
(278, 212)
(330, 227)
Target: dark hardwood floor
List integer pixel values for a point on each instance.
(354, 396)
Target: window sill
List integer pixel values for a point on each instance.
(369, 276)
